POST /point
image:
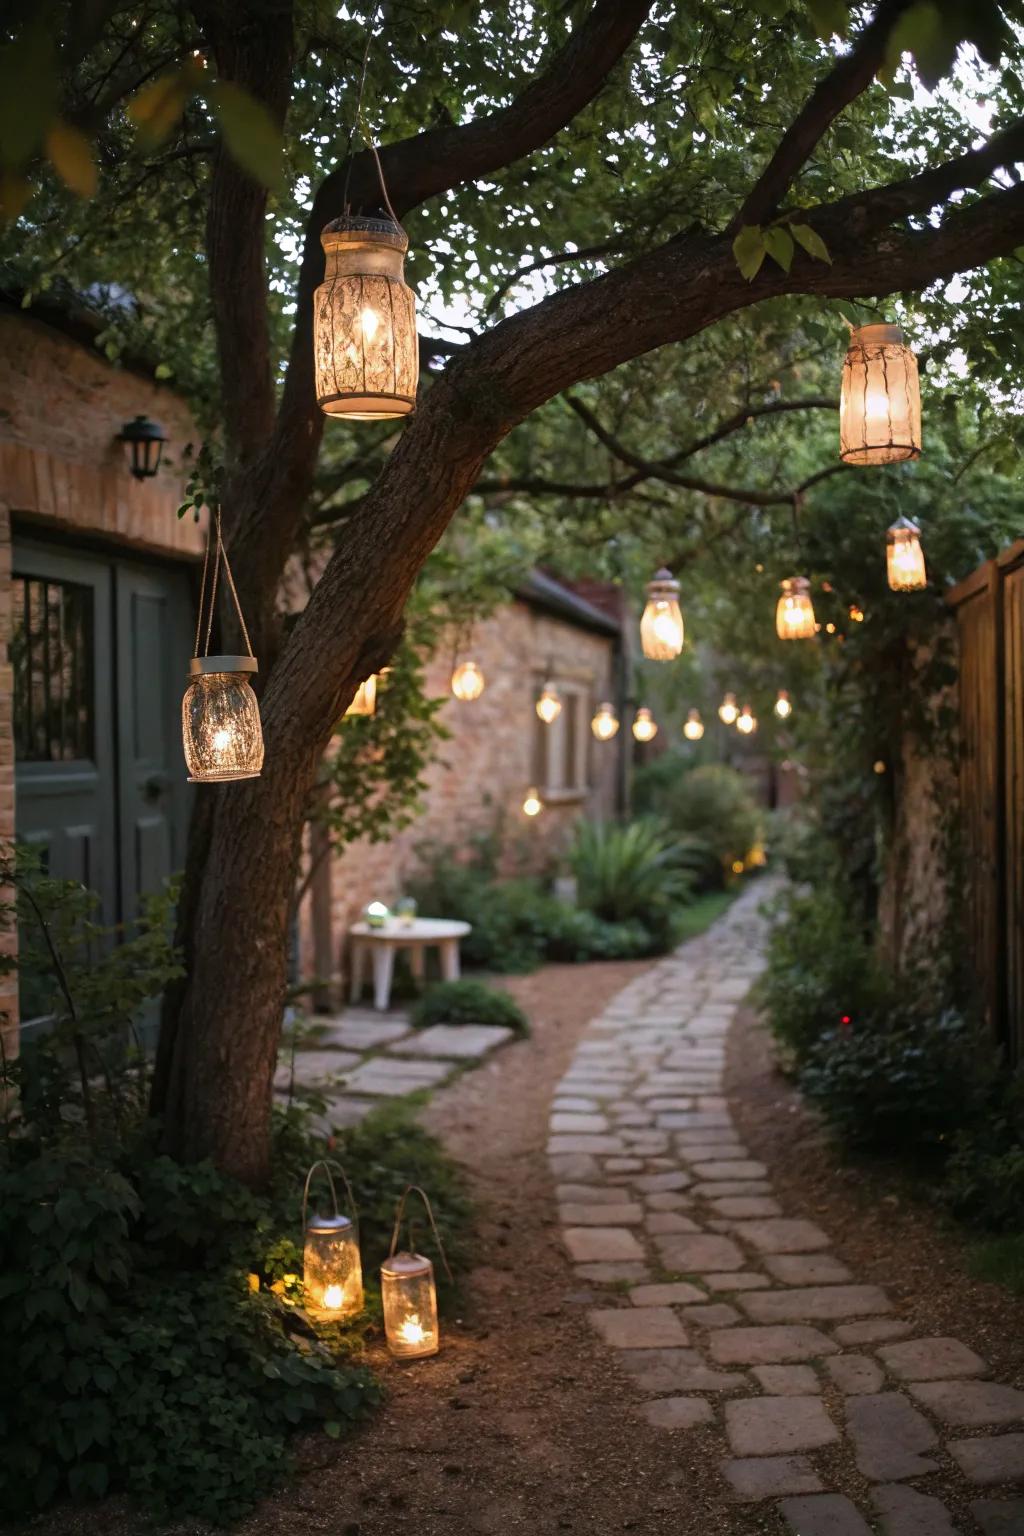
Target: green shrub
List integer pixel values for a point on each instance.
(637, 872)
(985, 1176)
(468, 1002)
(819, 971)
(507, 931)
(573, 934)
(903, 1088)
(712, 804)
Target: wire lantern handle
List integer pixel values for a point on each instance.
(414, 1189)
(327, 1164)
(359, 121)
(215, 538)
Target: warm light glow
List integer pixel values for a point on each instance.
(377, 914)
(727, 710)
(366, 355)
(412, 1331)
(693, 728)
(737, 866)
(880, 400)
(410, 1306)
(365, 701)
(467, 682)
(856, 614)
(661, 627)
(334, 1295)
(332, 1273)
(549, 705)
(220, 721)
(879, 766)
(783, 705)
(830, 629)
(904, 557)
(533, 804)
(645, 727)
(794, 615)
(757, 858)
(605, 722)
(745, 721)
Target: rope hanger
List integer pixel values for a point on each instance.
(214, 537)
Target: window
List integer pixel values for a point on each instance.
(51, 656)
(560, 758)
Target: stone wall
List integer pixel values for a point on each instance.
(482, 773)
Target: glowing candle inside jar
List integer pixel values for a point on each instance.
(412, 1331)
(334, 1297)
(370, 321)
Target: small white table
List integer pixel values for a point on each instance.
(381, 945)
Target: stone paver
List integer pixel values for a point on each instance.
(678, 1412)
(639, 1327)
(990, 1458)
(930, 1359)
(388, 1077)
(905, 1512)
(740, 1324)
(315, 1067)
(765, 1477)
(823, 1514)
(772, 1426)
(356, 1033)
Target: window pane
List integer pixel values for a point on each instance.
(570, 738)
(52, 661)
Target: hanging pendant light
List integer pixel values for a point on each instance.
(745, 721)
(408, 1293)
(605, 723)
(549, 704)
(332, 1271)
(727, 710)
(880, 400)
(904, 556)
(783, 705)
(365, 348)
(532, 802)
(794, 615)
(220, 716)
(467, 682)
(645, 727)
(661, 626)
(693, 729)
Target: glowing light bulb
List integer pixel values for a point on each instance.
(467, 682)
(221, 740)
(693, 729)
(605, 722)
(412, 1331)
(334, 1297)
(549, 705)
(783, 705)
(533, 804)
(745, 721)
(727, 710)
(645, 727)
(370, 321)
(661, 625)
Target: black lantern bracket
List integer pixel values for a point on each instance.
(147, 444)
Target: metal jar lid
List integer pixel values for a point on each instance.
(205, 666)
(329, 1225)
(405, 1266)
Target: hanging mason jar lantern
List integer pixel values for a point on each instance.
(727, 710)
(605, 723)
(745, 721)
(794, 615)
(220, 716)
(549, 704)
(366, 353)
(532, 802)
(467, 682)
(332, 1271)
(364, 701)
(904, 556)
(645, 727)
(783, 705)
(661, 626)
(880, 401)
(693, 729)
(408, 1292)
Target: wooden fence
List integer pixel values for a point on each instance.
(989, 608)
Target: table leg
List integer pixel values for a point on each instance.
(358, 956)
(417, 962)
(450, 959)
(383, 970)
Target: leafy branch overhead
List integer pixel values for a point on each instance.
(753, 244)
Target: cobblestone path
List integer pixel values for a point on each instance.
(723, 1307)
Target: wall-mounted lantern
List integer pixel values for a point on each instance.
(147, 444)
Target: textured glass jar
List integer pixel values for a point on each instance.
(332, 1271)
(549, 704)
(727, 710)
(220, 721)
(693, 729)
(904, 557)
(410, 1306)
(645, 727)
(794, 615)
(880, 400)
(467, 682)
(661, 626)
(605, 722)
(366, 354)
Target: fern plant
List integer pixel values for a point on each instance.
(636, 872)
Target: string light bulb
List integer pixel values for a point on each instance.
(467, 682)
(532, 804)
(693, 726)
(549, 704)
(783, 705)
(794, 613)
(727, 710)
(645, 727)
(746, 721)
(605, 723)
(661, 625)
(904, 557)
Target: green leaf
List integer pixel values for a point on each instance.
(251, 135)
(829, 17)
(749, 250)
(72, 157)
(811, 241)
(159, 105)
(163, 371)
(930, 35)
(779, 245)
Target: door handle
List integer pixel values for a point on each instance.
(154, 785)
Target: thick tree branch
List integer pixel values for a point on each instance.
(851, 75)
